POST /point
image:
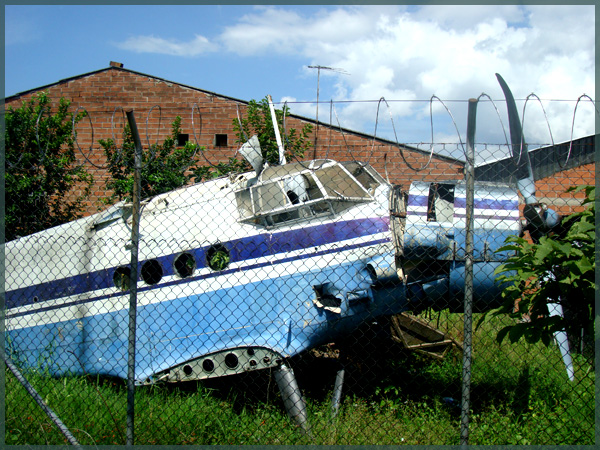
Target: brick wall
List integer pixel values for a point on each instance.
(552, 190)
(107, 94)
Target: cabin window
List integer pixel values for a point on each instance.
(182, 139)
(269, 196)
(217, 257)
(440, 203)
(185, 265)
(152, 271)
(121, 278)
(338, 184)
(362, 174)
(244, 203)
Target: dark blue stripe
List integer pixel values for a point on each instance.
(461, 202)
(488, 203)
(204, 277)
(418, 200)
(267, 244)
(475, 216)
(482, 216)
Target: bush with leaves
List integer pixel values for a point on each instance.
(167, 167)
(164, 166)
(559, 269)
(42, 175)
(259, 122)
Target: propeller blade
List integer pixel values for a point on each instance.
(539, 218)
(520, 155)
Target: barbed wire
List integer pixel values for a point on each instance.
(573, 124)
(398, 100)
(363, 158)
(75, 140)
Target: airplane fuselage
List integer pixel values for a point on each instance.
(241, 272)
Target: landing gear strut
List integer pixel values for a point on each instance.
(292, 398)
(337, 391)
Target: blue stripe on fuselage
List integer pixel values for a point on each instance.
(461, 202)
(261, 245)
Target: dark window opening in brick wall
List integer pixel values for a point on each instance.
(182, 139)
(220, 140)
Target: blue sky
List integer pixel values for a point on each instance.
(405, 54)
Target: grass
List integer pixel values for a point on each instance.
(519, 395)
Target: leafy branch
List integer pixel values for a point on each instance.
(559, 269)
(258, 121)
(164, 166)
(45, 186)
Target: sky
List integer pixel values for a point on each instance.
(401, 72)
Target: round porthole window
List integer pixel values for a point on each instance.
(152, 271)
(217, 257)
(121, 278)
(185, 265)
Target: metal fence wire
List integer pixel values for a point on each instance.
(311, 302)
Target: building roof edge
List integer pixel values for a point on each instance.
(313, 121)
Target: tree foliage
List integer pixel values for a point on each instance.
(44, 185)
(258, 120)
(559, 269)
(164, 166)
(167, 167)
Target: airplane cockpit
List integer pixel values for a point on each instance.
(301, 191)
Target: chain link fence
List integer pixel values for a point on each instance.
(306, 303)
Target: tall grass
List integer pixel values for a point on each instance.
(519, 395)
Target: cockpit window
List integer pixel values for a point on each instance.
(364, 174)
(337, 183)
(295, 192)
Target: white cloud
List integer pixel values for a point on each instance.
(465, 16)
(285, 30)
(409, 54)
(452, 52)
(153, 44)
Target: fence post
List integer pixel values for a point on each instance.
(468, 304)
(135, 230)
(40, 401)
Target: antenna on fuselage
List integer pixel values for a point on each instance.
(333, 69)
(277, 135)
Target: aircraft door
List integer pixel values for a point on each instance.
(398, 199)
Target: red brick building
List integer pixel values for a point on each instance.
(207, 118)
(555, 169)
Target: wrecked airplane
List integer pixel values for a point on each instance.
(242, 272)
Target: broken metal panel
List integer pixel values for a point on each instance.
(417, 335)
(435, 228)
(252, 153)
(118, 211)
